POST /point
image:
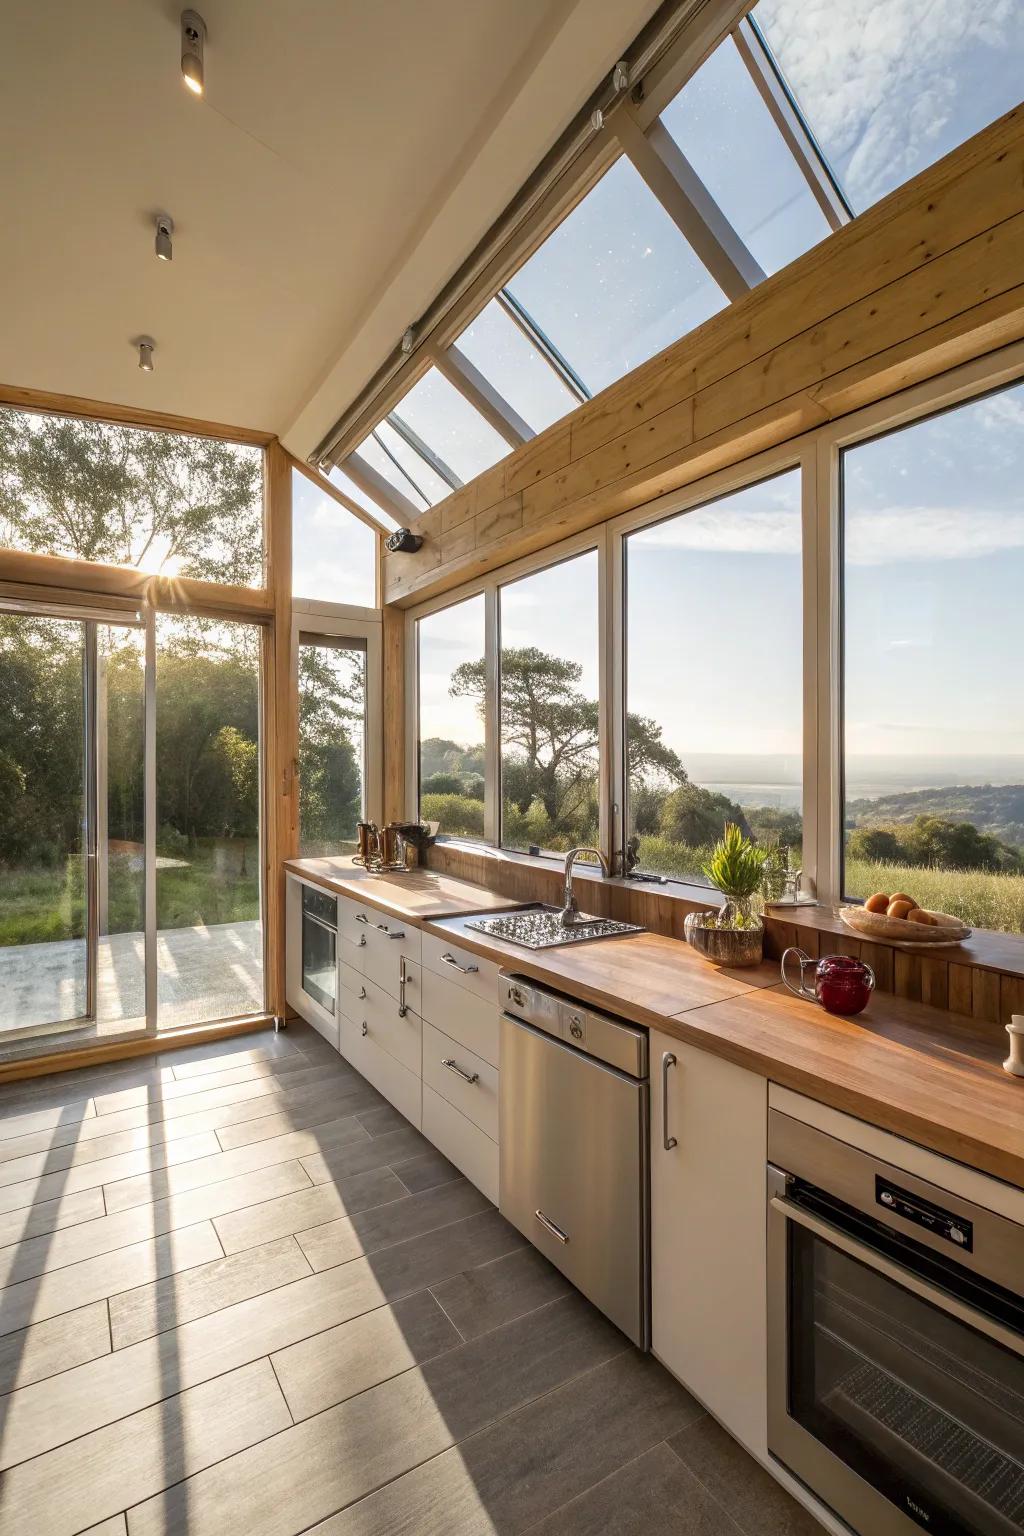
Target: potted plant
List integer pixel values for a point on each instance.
(734, 935)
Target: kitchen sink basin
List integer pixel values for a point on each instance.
(541, 927)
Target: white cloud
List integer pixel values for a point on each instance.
(890, 535)
(735, 531)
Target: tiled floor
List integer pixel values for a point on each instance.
(242, 1297)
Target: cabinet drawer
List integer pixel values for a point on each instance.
(398, 1085)
(462, 1142)
(386, 953)
(363, 1002)
(477, 1100)
(354, 919)
(469, 1019)
(461, 966)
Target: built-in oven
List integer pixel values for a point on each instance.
(320, 947)
(896, 1342)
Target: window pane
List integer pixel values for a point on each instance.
(434, 487)
(888, 89)
(451, 733)
(449, 425)
(42, 815)
(615, 282)
(726, 132)
(334, 555)
(210, 935)
(372, 453)
(933, 631)
(355, 493)
(712, 733)
(549, 707)
(157, 501)
(332, 744)
(496, 345)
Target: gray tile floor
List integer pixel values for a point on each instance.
(242, 1297)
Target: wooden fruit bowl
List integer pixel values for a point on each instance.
(897, 930)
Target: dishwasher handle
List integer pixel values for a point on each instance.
(549, 1226)
(667, 1060)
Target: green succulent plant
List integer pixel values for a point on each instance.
(735, 868)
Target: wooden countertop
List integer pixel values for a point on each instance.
(931, 1076)
(415, 896)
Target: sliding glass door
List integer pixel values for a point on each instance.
(130, 823)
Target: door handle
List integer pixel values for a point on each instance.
(453, 1066)
(549, 1226)
(667, 1141)
(402, 978)
(449, 959)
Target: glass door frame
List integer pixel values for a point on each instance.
(140, 617)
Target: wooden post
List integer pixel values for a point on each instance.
(395, 808)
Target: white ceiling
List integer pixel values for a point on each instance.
(345, 159)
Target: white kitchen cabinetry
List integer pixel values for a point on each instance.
(708, 1223)
(379, 1003)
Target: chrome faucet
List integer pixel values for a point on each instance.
(570, 910)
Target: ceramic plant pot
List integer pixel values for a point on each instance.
(728, 947)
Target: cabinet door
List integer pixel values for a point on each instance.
(708, 1223)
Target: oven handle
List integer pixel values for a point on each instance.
(899, 1275)
(309, 917)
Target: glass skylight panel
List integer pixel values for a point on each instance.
(372, 452)
(448, 424)
(889, 86)
(355, 493)
(616, 281)
(724, 129)
(433, 486)
(496, 345)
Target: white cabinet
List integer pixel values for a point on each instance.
(708, 1223)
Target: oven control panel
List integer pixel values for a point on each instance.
(956, 1230)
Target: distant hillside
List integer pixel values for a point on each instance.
(994, 808)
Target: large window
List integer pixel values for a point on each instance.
(548, 686)
(933, 571)
(451, 719)
(890, 88)
(714, 701)
(806, 113)
(334, 555)
(208, 885)
(332, 743)
(161, 502)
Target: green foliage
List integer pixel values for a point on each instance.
(694, 815)
(457, 815)
(442, 784)
(439, 755)
(935, 842)
(736, 865)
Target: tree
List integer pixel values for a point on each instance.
(876, 844)
(331, 705)
(697, 817)
(549, 734)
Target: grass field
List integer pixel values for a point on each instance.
(39, 905)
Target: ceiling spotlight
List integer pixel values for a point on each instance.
(193, 42)
(164, 230)
(145, 345)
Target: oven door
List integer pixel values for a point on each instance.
(898, 1402)
(319, 958)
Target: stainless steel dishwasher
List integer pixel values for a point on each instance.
(574, 1163)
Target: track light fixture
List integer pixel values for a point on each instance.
(193, 43)
(146, 345)
(164, 230)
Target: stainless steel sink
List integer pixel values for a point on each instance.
(541, 927)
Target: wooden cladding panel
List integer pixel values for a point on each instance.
(928, 279)
(393, 725)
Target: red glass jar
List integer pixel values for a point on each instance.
(839, 983)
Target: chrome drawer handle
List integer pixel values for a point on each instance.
(362, 994)
(467, 970)
(361, 917)
(453, 1066)
(667, 1141)
(366, 1028)
(362, 941)
(549, 1226)
(383, 928)
(402, 979)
